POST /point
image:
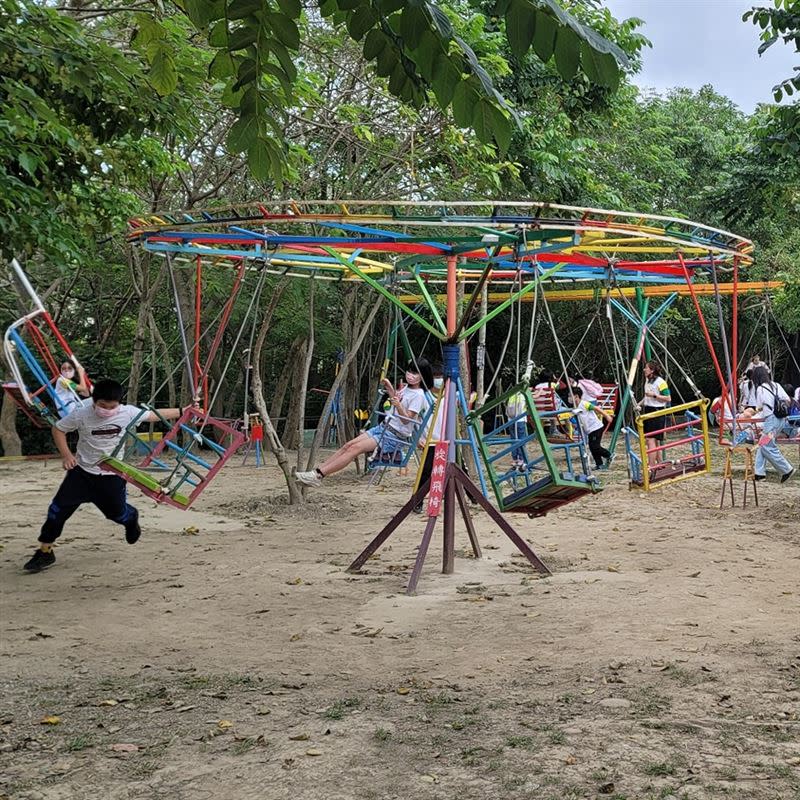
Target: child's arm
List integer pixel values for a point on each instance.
(68, 460)
(163, 413)
(81, 387)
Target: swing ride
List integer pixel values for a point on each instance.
(419, 255)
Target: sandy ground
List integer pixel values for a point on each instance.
(229, 655)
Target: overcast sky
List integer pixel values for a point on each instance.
(705, 41)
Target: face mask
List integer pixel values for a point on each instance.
(412, 377)
(104, 413)
(68, 373)
(438, 383)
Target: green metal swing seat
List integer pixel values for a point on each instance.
(543, 483)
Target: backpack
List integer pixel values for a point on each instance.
(780, 408)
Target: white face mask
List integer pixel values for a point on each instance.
(438, 383)
(68, 372)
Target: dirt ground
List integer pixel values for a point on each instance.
(229, 655)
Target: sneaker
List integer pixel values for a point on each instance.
(133, 531)
(40, 561)
(762, 477)
(788, 475)
(310, 478)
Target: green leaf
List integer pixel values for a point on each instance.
(328, 8)
(239, 9)
(445, 78)
(284, 58)
(222, 65)
(544, 37)
(258, 158)
(520, 26)
(163, 75)
(292, 8)
(283, 79)
(148, 30)
(491, 124)
(219, 34)
(243, 133)
(568, 53)
(249, 102)
(374, 43)
(600, 68)
(349, 5)
(28, 162)
(390, 6)
(246, 73)
(242, 37)
(426, 53)
(360, 22)
(413, 23)
(398, 79)
(201, 12)
(285, 29)
(465, 99)
(386, 60)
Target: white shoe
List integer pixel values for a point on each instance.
(311, 478)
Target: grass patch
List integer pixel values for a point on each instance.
(244, 746)
(342, 707)
(659, 769)
(382, 735)
(79, 743)
(521, 742)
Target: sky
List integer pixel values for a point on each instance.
(705, 41)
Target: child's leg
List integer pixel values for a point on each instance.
(109, 494)
(347, 453)
(596, 447)
(74, 491)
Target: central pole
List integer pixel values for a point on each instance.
(450, 352)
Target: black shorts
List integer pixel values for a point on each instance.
(656, 424)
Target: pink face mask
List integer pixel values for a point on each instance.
(412, 377)
(104, 413)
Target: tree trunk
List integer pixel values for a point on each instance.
(303, 388)
(9, 438)
(282, 386)
(337, 382)
(290, 438)
(270, 436)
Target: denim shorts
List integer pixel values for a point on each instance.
(388, 440)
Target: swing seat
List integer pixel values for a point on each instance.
(144, 482)
(37, 412)
(547, 498)
(556, 472)
(188, 468)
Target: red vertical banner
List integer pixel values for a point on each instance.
(438, 473)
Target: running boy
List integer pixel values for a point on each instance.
(100, 424)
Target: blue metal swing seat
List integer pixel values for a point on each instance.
(552, 474)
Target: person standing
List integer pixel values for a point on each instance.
(657, 396)
(772, 406)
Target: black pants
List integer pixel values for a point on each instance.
(596, 447)
(107, 492)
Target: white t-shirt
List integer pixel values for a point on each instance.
(97, 436)
(437, 420)
(413, 401)
(515, 405)
(765, 398)
(589, 420)
(747, 394)
(657, 386)
(68, 398)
